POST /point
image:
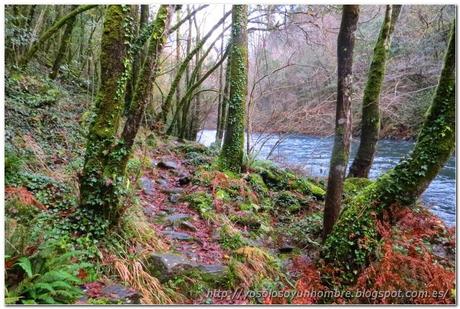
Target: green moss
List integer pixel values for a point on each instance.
(230, 238)
(257, 184)
(202, 202)
(231, 156)
(353, 186)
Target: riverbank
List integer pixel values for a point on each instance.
(311, 155)
(201, 236)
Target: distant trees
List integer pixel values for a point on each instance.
(370, 119)
(51, 31)
(231, 156)
(340, 152)
(402, 185)
(102, 180)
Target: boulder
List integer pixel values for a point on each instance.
(187, 225)
(169, 165)
(177, 235)
(214, 272)
(147, 185)
(166, 265)
(174, 198)
(175, 219)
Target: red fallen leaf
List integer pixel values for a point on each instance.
(82, 274)
(94, 289)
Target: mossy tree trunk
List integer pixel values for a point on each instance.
(98, 179)
(402, 185)
(370, 119)
(341, 148)
(102, 182)
(50, 32)
(146, 76)
(65, 42)
(231, 155)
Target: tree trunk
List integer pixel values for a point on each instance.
(98, 180)
(370, 121)
(231, 156)
(220, 101)
(166, 106)
(402, 185)
(341, 149)
(65, 41)
(43, 38)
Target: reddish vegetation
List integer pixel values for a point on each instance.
(406, 263)
(25, 196)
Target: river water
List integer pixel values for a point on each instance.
(313, 154)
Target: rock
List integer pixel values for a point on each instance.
(439, 250)
(173, 190)
(214, 272)
(188, 226)
(177, 235)
(162, 182)
(117, 292)
(176, 218)
(169, 165)
(174, 198)
(147, 185)
(185, 180)
(286, 249)
(165, 266)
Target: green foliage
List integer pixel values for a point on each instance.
(257, 184)
(305, 231)
(230, 238)
(49, 277)
(201, 202)
(288, 202)
(13, 166)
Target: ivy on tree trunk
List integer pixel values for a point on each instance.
(370, 119)
(354, 240)
(231, 155)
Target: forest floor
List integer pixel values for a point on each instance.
(190, 233)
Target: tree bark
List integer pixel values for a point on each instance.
(341, 149)
(61, 22)
(231, 155)
(370, 120)
(98, 180)
(401, 186)
(220, 102)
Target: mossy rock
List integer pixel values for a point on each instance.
(307, 187)
(353, 185)
(289, 202)
(189, 147)
(248, 219)
(197, 158)
(257, 184)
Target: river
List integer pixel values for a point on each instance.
(313, 153)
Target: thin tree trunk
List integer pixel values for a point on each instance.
(370, 120)
(220, 100)
(341, 149)
(61, 22)
(65, 42)
(231, 156)
(401, 186)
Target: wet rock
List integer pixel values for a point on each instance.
(172, 190)
(175, 219)
(177, 235)
(147, 185)
(286, 249)
(174, 198)
(185, 180)
(169, 165)
(189, 226)
(111, 293)
(162, 182)
(215, 271)
(165, 266)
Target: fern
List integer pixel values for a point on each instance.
(50, 278)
